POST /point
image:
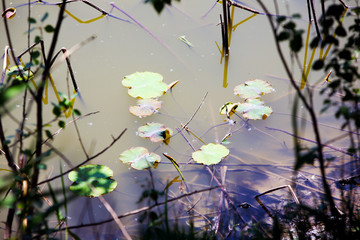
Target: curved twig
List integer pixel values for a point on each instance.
(87, 160)
(140, 209)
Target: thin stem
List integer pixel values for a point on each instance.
(38, 100)
(312, 116)
(87, 160)
(140, 210)
(116, 219)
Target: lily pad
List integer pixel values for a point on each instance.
(210, 154)
(228, 108)
(92, 180)
(145, 85)
(254, 109)
(145, 107)
(139, 158)
(156, 132)
(253, 88)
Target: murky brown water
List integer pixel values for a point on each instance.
(260, 159)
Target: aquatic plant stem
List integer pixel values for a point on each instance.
(116, 219)
(312, 141)
(140, 210)
(38, 99)
(315, 19)
(87, 160)
(311, 112)
(5, 147)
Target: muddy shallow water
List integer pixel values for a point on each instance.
(260, 159)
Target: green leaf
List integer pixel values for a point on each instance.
(37, 39)
(253, 88)
(145, 107)
(210, 154)
(61, 124)
(31, 20)
(254, 109)
(156, 132)
(92, 180)
(77, 112)
(49, 29)
(318, 64)
(139, 158)
(49, 134)
(284, 35)
(35, 54)
(296, 41)
(289, 25)
(7, 94)
(145, 85)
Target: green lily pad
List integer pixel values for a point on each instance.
(145, 85)
(253, 88)
(254, 109)
(210, 154)
(228, 108)
(156, 132)
(92, 180)
(139, 158)
(145, 107)
(14, 72)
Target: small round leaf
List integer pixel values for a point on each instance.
(92, 180)
(139, 158)
(253, 88)
(210, 154)
(156, 132)
(254, 109)
(145, 85)
(145, 107)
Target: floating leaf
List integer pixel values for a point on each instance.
(145, 85)
(254, 109)
(92, 180)
(139, 158)
(228, 109)
(210, 154)
(253, 88)
(145, 107)
(156, 132)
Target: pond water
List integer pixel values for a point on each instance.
(260, 159)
